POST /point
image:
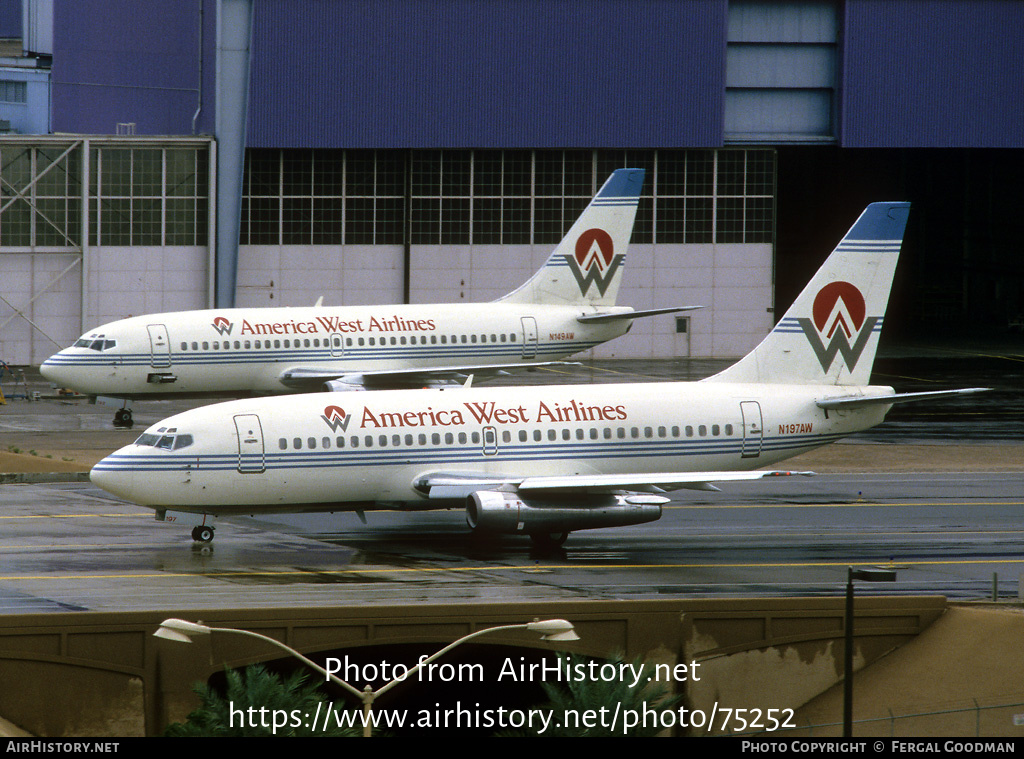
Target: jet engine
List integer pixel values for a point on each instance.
(500, 512)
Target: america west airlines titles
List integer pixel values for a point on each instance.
(489, 413)
(336, 324)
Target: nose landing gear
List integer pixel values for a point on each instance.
(202, 533)
(123, 418)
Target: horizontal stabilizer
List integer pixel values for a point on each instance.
(854, 401)
(633, 314)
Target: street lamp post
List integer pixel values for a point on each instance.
(181, 631)
(866, 575)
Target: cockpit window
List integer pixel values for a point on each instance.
(164, 440)
(96, 343)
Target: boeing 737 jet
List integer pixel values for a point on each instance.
(542, 461)
(567, 307)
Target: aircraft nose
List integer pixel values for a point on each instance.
(114, 475)
(60, 370)
(52, 370)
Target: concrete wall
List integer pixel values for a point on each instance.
(104, 674)
(140, 280)
(780, 653)
(55, 310)
(296, 275)
(122, 282)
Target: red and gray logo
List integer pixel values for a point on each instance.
(594, 261)
(222, 325)
(839, 324)
(335, 418)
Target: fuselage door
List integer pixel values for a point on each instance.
(753, 432)
(250, 444)
(490, 440)
(337, 344)
(529, 337)
(159, 345)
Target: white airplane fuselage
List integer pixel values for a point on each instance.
(318, 452)
(287, 350)
(248, 351)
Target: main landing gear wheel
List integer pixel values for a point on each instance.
(548, 539)
(202, 534)
(123, 418)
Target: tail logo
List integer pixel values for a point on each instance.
(335, 418)
(839, 324)
(595, 261)
(222, 325)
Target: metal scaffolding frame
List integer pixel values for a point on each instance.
(23, 213)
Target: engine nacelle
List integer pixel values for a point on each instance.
(499, 512)
(337, 386)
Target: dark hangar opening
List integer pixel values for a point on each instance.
(961, 275)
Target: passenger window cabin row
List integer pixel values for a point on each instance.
(316, 342)
(396, 440)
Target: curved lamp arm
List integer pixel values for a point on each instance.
(180, 630)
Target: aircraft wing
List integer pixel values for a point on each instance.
(448, 485)
(853, 401)
(311, 378)
(618, 316)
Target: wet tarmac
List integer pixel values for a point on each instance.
(997, 415)
(69, 547)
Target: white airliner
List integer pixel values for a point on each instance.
(547, 460)
(567, 307)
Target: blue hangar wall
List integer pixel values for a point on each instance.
(932, 73)
(403, 73)
(124, 62)
(531, 73)
(469, 74)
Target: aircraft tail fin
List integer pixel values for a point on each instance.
(586, 267)
(829, 335)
